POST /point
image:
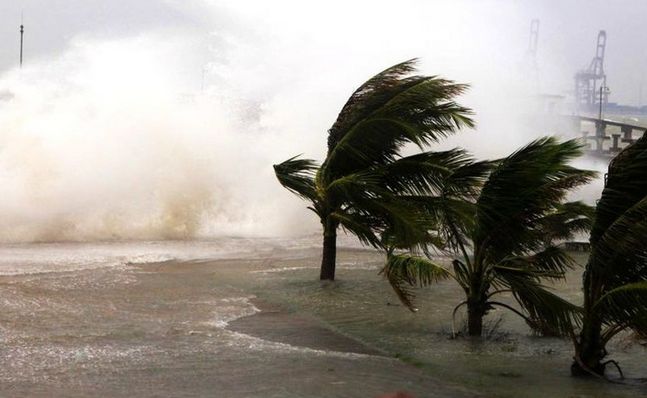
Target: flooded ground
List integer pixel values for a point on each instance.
(248, 318)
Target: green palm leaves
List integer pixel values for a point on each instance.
(364, 184)
(297, 175)
(615, 278)
(403, 271)
(523, 191)
(503, 233)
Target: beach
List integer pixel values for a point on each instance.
(249, 318)
(142, 328)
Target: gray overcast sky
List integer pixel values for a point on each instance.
(51, 24)
(112, 102)
(567, 33)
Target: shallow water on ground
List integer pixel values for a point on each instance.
(110, 319)
(511, 362)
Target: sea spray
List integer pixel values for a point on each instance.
(170, 132)
(94, 149)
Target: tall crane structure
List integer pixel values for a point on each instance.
(532, 43)
(532, 70)
(591, 83)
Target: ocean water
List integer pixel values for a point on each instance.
(239, 317)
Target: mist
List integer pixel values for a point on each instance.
(163, 121)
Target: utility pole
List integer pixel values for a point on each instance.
(22, 32)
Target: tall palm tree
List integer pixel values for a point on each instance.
(615, 277)
(505, 239)
(363, 183)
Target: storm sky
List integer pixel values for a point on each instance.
(500, 28)
(162, 119)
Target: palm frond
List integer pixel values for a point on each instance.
(362, 226)
(619, 255)
(625, 186)
(395, 92)
(615, 276)
(548, 310)
(456, 224)
(388, 112)
(626, 306)
(404, 272)
(451, 211)
(455, 211)
(423, 173)
(566, 220)
(425, 242)
(522, 189)
(466, 180)
(371, 95)
(297, 175)
(364, 183)
(550, 263)
(405, 222)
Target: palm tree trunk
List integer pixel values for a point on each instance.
(476, 304)
(475, 314)
(590, 349)
(329, 256)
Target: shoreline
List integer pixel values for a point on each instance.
(192, 328)
(277, 324)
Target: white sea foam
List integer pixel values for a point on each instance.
(281, 269)
(242, 340)
(343, 266)
(232, 308)
(18, 259)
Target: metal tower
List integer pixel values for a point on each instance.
(534, 36)
(532, 70)
(588, 82)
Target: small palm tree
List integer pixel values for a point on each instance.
(364, 182)
(504, 240)
(615, 277)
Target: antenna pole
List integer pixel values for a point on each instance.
(22, 32)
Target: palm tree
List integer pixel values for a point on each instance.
(615, 277)
(504, 240)
(363, 182)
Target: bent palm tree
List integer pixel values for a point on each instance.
(363, 183)
(506, 239)
(615, 277)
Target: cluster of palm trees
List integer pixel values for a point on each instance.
(501, 222)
